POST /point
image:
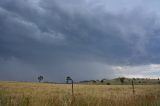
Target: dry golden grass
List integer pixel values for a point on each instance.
(40, 94)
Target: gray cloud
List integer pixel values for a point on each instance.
(47, 37)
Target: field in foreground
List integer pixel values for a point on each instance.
(41, 94)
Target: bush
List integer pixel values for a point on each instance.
(108, 83)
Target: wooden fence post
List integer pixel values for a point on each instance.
(69, 78)
(72, 88)
(133, 87)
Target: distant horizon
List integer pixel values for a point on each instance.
(44, 81)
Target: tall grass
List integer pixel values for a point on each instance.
(39, 94)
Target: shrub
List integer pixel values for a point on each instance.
(108, 83)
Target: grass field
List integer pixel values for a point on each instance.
(42, 94)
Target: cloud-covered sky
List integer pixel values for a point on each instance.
(84, 39)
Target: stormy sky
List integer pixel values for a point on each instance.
(84, 39)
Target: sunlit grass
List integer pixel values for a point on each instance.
(41, 94)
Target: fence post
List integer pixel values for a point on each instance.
(133, 87)
(70, 79)
(72, 88)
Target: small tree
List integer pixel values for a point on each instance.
(102, 81)
(122, 80)
(68, 78)
(40, 78)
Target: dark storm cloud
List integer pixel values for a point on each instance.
(47, 37)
